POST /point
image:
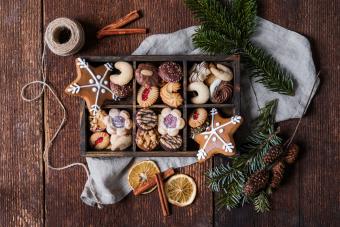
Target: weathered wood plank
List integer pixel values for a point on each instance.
(63, 206)
(21, 169)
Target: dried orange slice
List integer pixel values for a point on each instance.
(180, 190)
(141, 172)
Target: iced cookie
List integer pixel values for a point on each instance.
(120, 142)
(118, 122)
(121, 91)
(170, 95)
(92, 84)
(147, 96)
(201, 90)
(170, 72)
(199, 72)
(100, 140)
(198, 117)
(97, 123)
(147, 75)
(218, 137)
(171, 143)
(170, 122)
(220, 91)
(125, 75)
(147, 140)
(146, 119)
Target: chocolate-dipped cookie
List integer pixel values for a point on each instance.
(147, 75)
(171, 143)
(220, 91)
(121, 91)
(146, 119)
(170, 72)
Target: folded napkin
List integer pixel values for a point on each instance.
(290, 49)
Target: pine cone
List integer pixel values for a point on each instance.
(292, 153)
(273, 154)
(278, 171)
(255, 182)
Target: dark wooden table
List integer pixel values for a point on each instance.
(32, 195)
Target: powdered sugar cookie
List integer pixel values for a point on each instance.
(120, 142)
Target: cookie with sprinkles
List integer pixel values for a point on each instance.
(146, 119)
(171, 143)
(170, 72)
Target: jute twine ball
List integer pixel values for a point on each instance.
(64, 36)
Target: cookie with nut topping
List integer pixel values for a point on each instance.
(147, 75)
(147, 140)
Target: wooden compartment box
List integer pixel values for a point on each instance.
(189, 148)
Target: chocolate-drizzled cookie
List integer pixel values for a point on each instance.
(170, 72)
(146, 119)
(147, 75)
(171, 143)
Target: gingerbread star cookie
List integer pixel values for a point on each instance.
(218, 137)
(92, 84)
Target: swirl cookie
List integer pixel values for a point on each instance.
(201, 90)
(121, 91)
(99, 140)
(220, 91)
(147, 140)
(171, 143)
(170, 96)
(170, 122)
(147, 75)
(146, 119)
(198, 117)
(170, 72)
(147, 96)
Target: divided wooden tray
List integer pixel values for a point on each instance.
(189, 148)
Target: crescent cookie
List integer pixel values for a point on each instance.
(202, 91)
(222, 72)
(147, 96)
(100, 140)
(119, 143)
(198, 117)
(126, 73)
(170, 96)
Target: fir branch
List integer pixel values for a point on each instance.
(228, 29)
(261, 202)
(267, 71)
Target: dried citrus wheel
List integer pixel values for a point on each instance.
(141, 172)
(180, 190)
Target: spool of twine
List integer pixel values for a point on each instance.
(64, 36)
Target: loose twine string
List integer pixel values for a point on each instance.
(49, 142)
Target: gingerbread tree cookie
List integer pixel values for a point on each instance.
(92, 84)
(218, 137)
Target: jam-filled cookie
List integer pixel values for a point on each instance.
(171, 143)
(100, 140)
(147, 75)
(170, 122)
(147, 96)
(146, 119)
(198, 117)
(170, 72)
(147, 140)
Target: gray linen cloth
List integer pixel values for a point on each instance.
(292, 50)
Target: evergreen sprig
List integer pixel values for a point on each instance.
(227, 29)
(229, 179)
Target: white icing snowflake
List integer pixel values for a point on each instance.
(97, 83)
(213, 134)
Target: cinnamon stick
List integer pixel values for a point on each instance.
(132, 16)
(152, 182)
(162, 195)
(121, 31)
